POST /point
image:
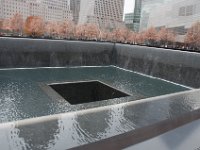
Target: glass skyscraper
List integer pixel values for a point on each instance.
(137, 15)
(142, 11)
(128, 19)
(146, 8)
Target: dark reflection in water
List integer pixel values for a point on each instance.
(70, 131)
(109, 123)
(144, 113)
(74, 129)
(39, 136)
(185, 137)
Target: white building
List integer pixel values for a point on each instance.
(57, 10)
(75, 8)
(128, 20)
(105, 13)
(11, 7)
(147, 7)
(177, 15)
(50, 10)
(67, 13)
(1, 8)
(35, 8)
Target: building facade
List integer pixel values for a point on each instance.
(50, 10)
(67, 13)
(75, 9)
(35, 8)
(106, 14)
(11, 7)
(137, 15)
(57, 10)
(128, 20)
(146, 8)
(176, 15)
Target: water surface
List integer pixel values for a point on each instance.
(21, 96)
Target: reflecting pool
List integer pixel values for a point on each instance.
(23, 93)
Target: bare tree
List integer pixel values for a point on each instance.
(80, 32)
(67, 29)
(109, 36)
(52, 29)
(103, 36)
(17, 23)
(131, 38)
(117, 35)
(34, 26)
(150, 36)
(193, 36)
(140, 38)
(92, 31)
(1, 24)
(166, 36)
(124, 32)
(6, 25)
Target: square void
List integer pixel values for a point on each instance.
(85, 92)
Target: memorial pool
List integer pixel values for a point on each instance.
(129, 95)
(25, 92)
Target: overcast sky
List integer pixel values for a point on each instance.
(129, 6)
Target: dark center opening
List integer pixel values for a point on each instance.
(85, 92)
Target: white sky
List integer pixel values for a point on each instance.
(129, 6)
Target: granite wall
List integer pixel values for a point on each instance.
(177, 66)
(52, 53)
(173, 65)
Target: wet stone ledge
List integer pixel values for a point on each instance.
(109, 127)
